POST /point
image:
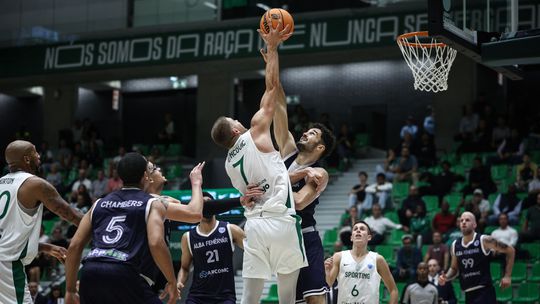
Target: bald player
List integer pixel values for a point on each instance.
(470, 260)
(22, 196)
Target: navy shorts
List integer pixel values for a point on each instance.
(312, 280)
(485, 295)
(105, 283)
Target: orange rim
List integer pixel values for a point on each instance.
(403, 39)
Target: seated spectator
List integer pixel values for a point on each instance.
(82, 180)
(114, 183)
(37, 297)
(507, 203)
(454, 233)
(478, 206)
(500, 132)
(446, 292)
(55, 178)
(407, 141)
(344, 145)
(56, 296)
(408, 206)
(409, 127)
(357, 195)
(345, 231)
(389, 166)
(444, 221)
(420, 226)
(408, 257)
(406, 167)
(380, 191)
(479, 177)
(525, 173)
(99, 185)
(481, 140)
(379, 225)
(121, 153)
(531, 227)
(425, 151)
(438, 251)
(420, 291)
(429, 122)
(442, 184)
(505, 234)
(534, 189)
(511, 150)
(468, 123)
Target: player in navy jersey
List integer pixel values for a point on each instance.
(308, 180)
(122, 226)
(210, 246)
(471, 258)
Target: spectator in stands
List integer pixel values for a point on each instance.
(479, 177)
(37, 297)
(507, 203)
(438, 251)
(56, 296)
(454, 233)
(420, 291)
(531, 226)
(467, 124)
(64, 154)
(344, 145)
(345, 231)
(408, 258)
(426, 151)
(444, 221)
(429, 122)
(121, 153)
(505, 234)
(511, 149)
(479, 206)
(409, 204)
(409, 127)
(155, 155)
(420, 226)
(357, 195)
(114, 183)
(99, 185)
(534, 189)
(55, 178)
(390, 165)
(500, 132)
(46, 154)
(481, 138)
(82, 180)
(525, 173)
(380, 191)
(446, 292)
(379, 225)
(76, 131)
(406, 167)
(407, 141)
(93, 155)
(442, 183)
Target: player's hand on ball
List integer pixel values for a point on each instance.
(505, 282)
(170, 290)
(196, 174)
(276, 35)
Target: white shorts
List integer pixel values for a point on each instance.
(273, 245)
(13, 287)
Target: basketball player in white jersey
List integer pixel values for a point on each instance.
(22, 196)
(359, 271)
(273, 242)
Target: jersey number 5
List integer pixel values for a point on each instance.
(116, 230)
(240, 163)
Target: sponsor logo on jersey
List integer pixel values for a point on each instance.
(370, 266)
(221, 230)
(205, 274)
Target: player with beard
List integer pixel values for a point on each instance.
(22, 197)
(359, 271)
(471, 261)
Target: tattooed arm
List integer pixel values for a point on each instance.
(492, 244)
(35, 190)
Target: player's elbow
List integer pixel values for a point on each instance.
(156, 242)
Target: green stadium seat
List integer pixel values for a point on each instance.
(432, 203)
(453, 200)
(401, 287)
(174, 150)
(361, 140)
(173, 171)
(492, 197)
(458, 187)
(460, 295)
(48, 226)
(535, 274)
(495, 269)
(458, 169)
(467, 159)
(272, 296)
(435, 170)
(388, 252)
(490, 229)
(143, 149)
(329, 239)
(527, 293)
(400, 190)
(533, 249)
(503, 295)
(424, 250)
(499, 172)
(393, 216)
(519, 272)
(395, 237)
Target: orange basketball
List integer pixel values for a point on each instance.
(274, 15)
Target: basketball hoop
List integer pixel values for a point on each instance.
(429, 60)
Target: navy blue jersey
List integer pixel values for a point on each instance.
(473, 263)
(119, 228)
(307, 214)
(213, 275)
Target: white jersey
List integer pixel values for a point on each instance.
(245, 164)
(19, 231)
(358, 282)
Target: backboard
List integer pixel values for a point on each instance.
(501, 34)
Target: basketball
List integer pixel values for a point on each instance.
(275, 14)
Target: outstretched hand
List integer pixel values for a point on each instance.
(196, 174)
(275, 36)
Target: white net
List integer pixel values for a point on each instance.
(430, 62)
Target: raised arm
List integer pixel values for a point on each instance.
(73, 258)
(491, 244)
(36, 189)
(388, 279)
(185, 262)
(284, 138)
(192, 212)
